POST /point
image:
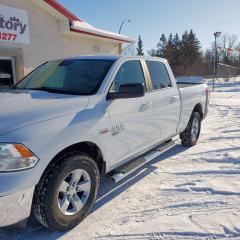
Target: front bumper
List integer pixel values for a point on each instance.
(15, 207)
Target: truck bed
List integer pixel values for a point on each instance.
(191, 94)
(184, 85)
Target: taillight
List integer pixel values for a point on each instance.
(207, 91)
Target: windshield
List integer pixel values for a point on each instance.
(74, 76)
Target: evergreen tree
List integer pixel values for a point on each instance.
(169, 49)
(194, 48)
(152, 52)
(160, 50)
(176, 40)
(177, 47)
(184, 54)
(185, 36)
(184, 50)
(164, 47)
(190, 49)
(161, 46)
(140, 46)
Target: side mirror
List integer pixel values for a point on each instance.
(133, 90)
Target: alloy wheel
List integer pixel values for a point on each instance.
(74, 192)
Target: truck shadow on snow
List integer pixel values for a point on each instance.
(170, 235)
(108, 191)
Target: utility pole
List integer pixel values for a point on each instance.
(216, 35)
(125, 20)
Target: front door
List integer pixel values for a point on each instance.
(132, 119)
(7, 72)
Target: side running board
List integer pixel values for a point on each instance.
(132, 166)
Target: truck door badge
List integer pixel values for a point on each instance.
(117, 129)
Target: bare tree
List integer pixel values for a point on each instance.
(232, 41)
(129, 49)
(228, 42)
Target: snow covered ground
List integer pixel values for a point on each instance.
(187, 193)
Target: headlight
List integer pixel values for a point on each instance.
(16, 157)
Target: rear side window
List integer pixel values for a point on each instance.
(159, 75)
(129, 72)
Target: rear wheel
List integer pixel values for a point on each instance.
(66, 193)
(191, 134)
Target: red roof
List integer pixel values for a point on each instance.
(60, 8)
(72, 18)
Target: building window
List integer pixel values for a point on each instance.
(7, 72)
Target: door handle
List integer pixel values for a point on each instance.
(174, 98)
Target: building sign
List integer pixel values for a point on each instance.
(14, 25)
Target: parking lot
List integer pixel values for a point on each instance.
(187, 193)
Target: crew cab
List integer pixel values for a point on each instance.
(72, 121)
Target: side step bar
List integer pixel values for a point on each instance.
(131, 166)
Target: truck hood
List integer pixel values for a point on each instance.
(21, 108)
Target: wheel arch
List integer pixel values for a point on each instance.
(199, 109)
(86, 147)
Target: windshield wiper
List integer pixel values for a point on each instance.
(54, 90)
(47, 89)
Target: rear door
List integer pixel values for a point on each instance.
(132, 119)
(166, 99)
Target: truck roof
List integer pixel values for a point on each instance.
(103, 57)
(114, 57)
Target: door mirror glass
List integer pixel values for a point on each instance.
(133, 90)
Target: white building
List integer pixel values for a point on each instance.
(35, 31)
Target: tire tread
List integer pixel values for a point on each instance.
(41, 190)
(186, 135)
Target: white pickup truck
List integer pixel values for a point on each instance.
(72, 121)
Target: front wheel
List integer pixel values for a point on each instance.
(67, 192)
(191, 134)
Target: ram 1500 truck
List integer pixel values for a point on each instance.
(72, 121)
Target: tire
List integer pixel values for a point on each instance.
(191, 134)
(72, 180)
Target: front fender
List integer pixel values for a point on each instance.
(48, 138)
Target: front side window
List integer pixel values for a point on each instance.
(73, 76)
(159, 75)
(130, 72)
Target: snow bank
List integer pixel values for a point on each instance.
(187, 193)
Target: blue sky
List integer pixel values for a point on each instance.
(151, 18)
